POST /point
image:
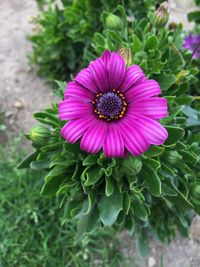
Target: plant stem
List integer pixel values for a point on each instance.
(195, 50)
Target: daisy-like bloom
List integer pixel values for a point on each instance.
(192, 43)
(113, 107)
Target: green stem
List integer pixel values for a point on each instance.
(176, 51)
(195, 50)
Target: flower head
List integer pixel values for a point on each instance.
(113, 107)
(192, 43)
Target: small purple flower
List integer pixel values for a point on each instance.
(191, 43)
(113, 107)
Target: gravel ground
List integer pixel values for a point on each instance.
(22, 92)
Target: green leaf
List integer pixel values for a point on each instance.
(188, 157)
(110, 207)
(194, 16)
(126, 203)
(174, 134)
(154, 164)
(136, 44)
(109, 189)
(52, 185)
(57, 170)
(152, 180)
(154, 151)
(169, 191)
(87, 223)
(40, 164)
(131, 166)
(90, 203)
(90, 159)
(65, 188)
(140, 211)
(142, 242)
(91, 175)
(25, 163)
(129, 224)
(151, 43)
(165, 80)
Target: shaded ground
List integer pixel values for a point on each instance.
(22, 93)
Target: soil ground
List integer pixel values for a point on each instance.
(22, 92)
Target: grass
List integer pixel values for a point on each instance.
(30, 226)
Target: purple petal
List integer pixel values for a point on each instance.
(85, 78)
(75, 90)
(155, 107)
(74, 129)
(106, 57)
(155, 133)
(134, 139)
(143, 90)
(99, 74)
(114, 144)
(71, 108)
(133, 75)
(93, 139)
(116, 70)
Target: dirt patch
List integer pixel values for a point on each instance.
(22, 92)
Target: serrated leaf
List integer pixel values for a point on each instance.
(151, 43)
(51, 187)
(110, 207)
(91, 175)
(65, 188)
(90, 159)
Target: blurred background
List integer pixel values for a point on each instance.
(30, 232)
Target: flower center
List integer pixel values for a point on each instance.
(110, 106)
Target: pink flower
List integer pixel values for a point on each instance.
(108, 106)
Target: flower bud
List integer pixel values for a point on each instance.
(39, 135)
(113, 22)
(161, 16)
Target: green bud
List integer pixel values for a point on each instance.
(113, 22)
(39, 135)
(173, 157)
(161, 16)
(195, 190)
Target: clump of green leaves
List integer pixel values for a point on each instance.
(65, 32)
(31, 232)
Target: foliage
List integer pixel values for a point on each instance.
(65, 32)
(30, 227)
(2, 125)
(156, 192)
